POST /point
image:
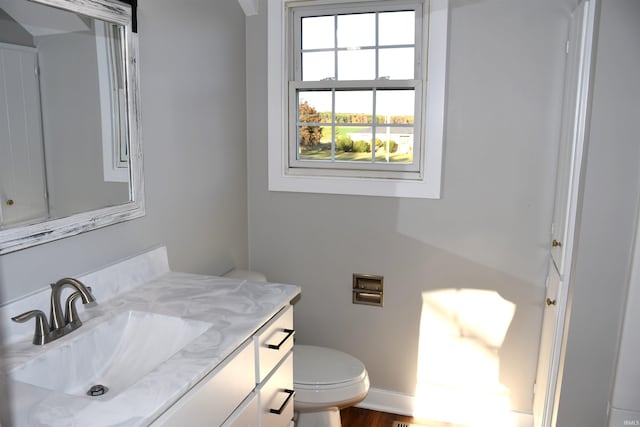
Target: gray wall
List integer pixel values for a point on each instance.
(489, 231)
(193, 117)
(72, 125)
(607, 227)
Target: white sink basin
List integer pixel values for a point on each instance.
(115, 353)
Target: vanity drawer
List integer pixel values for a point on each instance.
(212, 400)
(276, 396)
(273, 341)
(246, 415)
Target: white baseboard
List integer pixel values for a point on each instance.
(403, 404)
(623, 418)
(388, 401)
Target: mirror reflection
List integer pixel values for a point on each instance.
(64, 146)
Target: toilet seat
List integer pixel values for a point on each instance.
(324, 378)
(315, 367)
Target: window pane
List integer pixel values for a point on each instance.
(314, 107)
(354, 106)
(318, 66)
(353, 143)
(318, 32)
(396, 28)
(394, 144)
(311, 145)
(357, 65)
(396, 64)
(395, 106)
(357, 30)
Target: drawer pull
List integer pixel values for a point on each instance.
(278, 411)
(277, 346)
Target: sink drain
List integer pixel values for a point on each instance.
(97, 390)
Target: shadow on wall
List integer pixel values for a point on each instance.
(458, 380)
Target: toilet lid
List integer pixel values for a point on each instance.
(324, 366)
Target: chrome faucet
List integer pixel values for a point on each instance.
(57, 320)
(60, 325)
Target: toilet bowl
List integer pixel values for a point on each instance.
(325, 381)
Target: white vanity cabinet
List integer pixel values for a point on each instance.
(252, 387)
(246, 415)
(210, 402)
(276, 396)
(274, 370)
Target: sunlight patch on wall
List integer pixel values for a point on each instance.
(461, 332)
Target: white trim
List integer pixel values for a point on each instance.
(389, 401)
(428, 186)
(112, 169)
(404, 404)
(554, 378)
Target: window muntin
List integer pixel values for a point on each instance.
(354, 100)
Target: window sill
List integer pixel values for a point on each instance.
(356, 186)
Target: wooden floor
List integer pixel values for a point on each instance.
(359, 417)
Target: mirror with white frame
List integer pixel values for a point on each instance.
(70, 149)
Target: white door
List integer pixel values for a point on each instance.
(22, 171)
(568, 187)
(543, 377)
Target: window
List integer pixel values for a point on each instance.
(112, 99)
(356, 96)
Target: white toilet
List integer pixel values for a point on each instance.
(325, 380)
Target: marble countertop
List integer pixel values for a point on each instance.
(234, 308)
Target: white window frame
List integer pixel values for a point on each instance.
(363, 169)
(426, 184)
(115, 151)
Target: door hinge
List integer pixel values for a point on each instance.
(566, 47)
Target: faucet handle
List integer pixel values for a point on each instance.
(42, 331)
